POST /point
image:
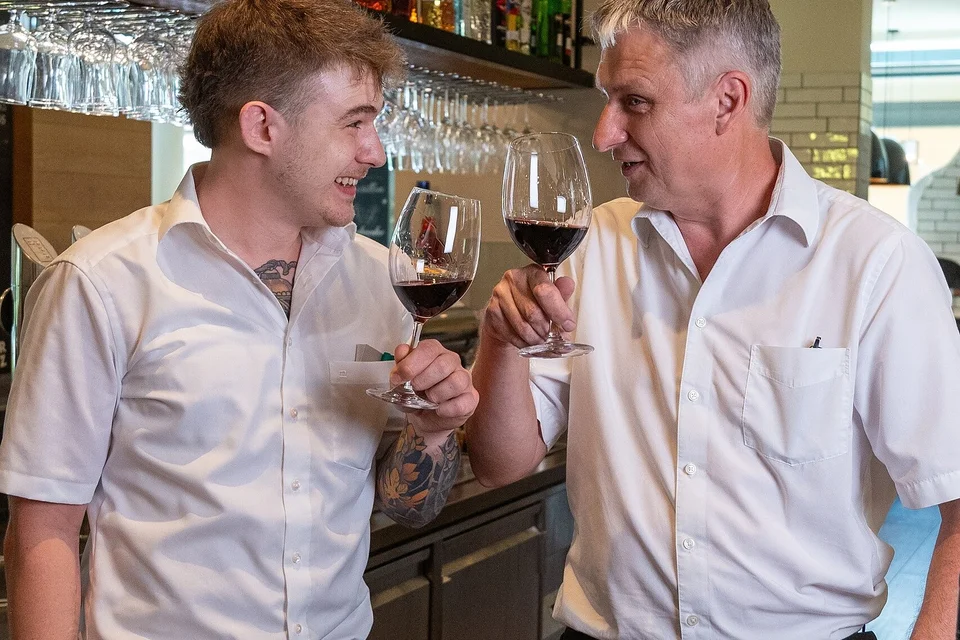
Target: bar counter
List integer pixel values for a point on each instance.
(487, 567)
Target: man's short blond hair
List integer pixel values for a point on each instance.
(709, 37)
(264, 50)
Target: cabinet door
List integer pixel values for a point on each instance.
(491, 580)
(400, 595)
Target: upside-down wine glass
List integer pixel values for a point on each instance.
(547, 208)
(433, 260)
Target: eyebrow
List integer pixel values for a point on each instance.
(360, 110)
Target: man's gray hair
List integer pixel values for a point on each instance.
(709, 36)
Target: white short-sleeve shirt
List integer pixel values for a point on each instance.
(727, 479)
(226, 453)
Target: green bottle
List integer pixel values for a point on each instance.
(542, 32)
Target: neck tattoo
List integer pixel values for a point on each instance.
(278, 276)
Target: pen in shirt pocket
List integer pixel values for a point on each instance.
(816, 343)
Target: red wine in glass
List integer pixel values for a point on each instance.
(433, 259)
(428, 298)
(546, 243)
(547, 209)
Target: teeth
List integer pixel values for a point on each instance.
(347, 182)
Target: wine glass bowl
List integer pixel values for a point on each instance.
(547, 208)
(433, 259)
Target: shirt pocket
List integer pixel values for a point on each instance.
(796, 405)
(356, 420)
(375, 374)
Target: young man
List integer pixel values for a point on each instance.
(774, 360)
(187, 375)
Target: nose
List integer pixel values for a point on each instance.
(609, 132)
(371, 151)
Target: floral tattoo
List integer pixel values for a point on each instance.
(412, 483)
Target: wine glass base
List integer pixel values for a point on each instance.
(561, 349)
(400, 396)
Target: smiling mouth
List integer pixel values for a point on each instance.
(347, 182)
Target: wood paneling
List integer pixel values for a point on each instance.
(78, 169)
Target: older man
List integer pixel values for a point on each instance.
(774, 360)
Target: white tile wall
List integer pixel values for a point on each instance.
(938, 211)
(825, 118)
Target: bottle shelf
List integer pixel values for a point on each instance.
(450, 53)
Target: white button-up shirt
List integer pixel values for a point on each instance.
(225, 452)
(728, 480)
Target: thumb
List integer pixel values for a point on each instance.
(566, 286)
(401, 352)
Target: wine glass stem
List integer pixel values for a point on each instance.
(414, 341)
(554, 334)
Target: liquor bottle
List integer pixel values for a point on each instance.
(438, 14)
(513, 25)
(479, 25)
(556, 47)
(566, 53)
(526, 19)
(543, 32)
(500, 23)
(404, 8)
(377, 5)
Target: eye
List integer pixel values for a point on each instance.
(636, 102)
(356, 124)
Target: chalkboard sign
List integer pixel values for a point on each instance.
(373, 205)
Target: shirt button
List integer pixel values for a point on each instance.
(689, 543)
(296, 558)
(701, 323)
(690, 469)
(294, 413)
(298, 628)
(693, 621)
(694, 395)
(295, 485)
(290, 344)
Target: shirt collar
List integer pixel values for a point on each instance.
(184, 208)
(794, 198)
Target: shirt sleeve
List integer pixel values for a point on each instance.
(550, 384)
(550, 378)
(908, 382)
(64, 394)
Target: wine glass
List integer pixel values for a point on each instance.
(547, 208)
(433, 259)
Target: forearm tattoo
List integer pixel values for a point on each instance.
(413, 484)
(278, 276)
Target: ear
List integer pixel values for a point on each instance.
(260, 127)
(734, 93)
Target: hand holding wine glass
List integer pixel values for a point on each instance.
(433, 260)
(547, 207)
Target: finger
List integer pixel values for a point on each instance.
(527, 305)
(508, 299)
(457, 410)
(441, 368)
(550, 299)
(458, 382)
(401, 352)
(566, 286)
(414, 361)
(496, 325)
